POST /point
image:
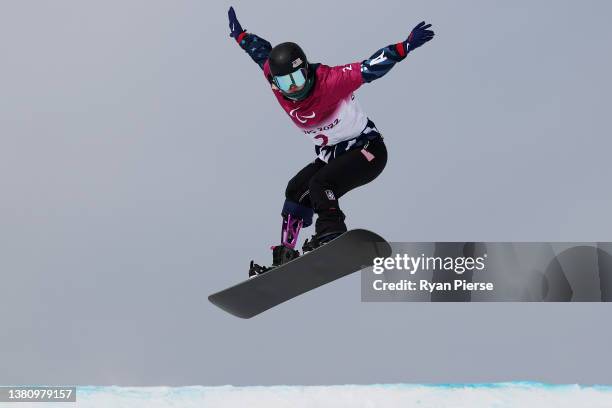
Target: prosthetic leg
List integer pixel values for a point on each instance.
(295, 216)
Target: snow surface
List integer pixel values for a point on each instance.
(350, 396)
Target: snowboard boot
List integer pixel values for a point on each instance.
(318, 240)
(330, 225)
(280, 255)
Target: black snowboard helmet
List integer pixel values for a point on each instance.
(290, 70)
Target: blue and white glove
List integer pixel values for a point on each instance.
(418, 36)
(234, 24)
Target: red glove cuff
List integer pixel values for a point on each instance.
(401, 49)
(241, 36)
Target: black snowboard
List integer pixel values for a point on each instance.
(350, 252)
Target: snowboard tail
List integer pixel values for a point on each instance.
(350, 252)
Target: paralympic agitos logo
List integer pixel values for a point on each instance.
(301, 118)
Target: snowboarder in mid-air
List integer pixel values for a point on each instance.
(319, 99)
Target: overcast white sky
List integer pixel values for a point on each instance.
(143, 163)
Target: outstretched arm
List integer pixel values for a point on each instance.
(384, 59)
(257, 48)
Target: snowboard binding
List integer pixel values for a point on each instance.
(280, 255)
(318, 240)
(285, 252)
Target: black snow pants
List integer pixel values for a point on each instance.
(319, 185)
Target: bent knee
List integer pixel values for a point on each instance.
(294, 190)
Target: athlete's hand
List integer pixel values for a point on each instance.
(418, 36)
(234, 25)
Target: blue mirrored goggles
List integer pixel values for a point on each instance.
(292, 82)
